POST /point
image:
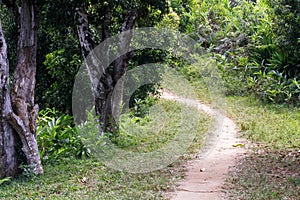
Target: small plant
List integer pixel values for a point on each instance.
(57, 137)
(27, 171)
(141, 107)
(94, 139)
(4, 180)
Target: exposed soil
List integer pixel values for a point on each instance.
(207, 172)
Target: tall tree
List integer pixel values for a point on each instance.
(22, 113)
(114, 16)
(8, 161)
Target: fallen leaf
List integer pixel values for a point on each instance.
(238, 145)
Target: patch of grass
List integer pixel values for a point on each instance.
(88, 179)
(276, 126)
(265, 174)
(271, 169)
(91, 179)
(163, 123)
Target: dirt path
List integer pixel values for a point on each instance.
(207, 172)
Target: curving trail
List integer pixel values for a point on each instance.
(207, 172)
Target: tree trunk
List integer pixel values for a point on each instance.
(104, 80)
(8, 156)
(120, 65)
(25, 112)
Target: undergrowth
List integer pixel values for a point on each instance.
(88, 178)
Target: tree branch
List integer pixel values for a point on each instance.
(85, 37)
(105, 26)
(120, 64)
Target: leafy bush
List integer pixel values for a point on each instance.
(255, 44)
(61, 67)
(140, 105)
(57, 138)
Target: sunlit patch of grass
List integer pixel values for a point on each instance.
(276, 126)
(166, 120)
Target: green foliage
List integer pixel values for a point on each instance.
(182, 11)
(255, 45)
(275, 86)
(91, 179)
(274, 72)
(57, 138)
(27, 172)
(5, 180)
(278, 127)
(149, 13)
(93, 138)
(142, 99)
(58, 55)
(61, 67)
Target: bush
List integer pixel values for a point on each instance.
(56, 90)
(58, 139)
(255, 44)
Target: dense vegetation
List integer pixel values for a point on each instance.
(255, 46)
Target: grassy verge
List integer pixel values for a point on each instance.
(90, 179)
(277, 127)
(271, 169)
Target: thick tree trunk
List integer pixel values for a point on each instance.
(121, 63)
(24, 115)
(104, 80)
(8, 156)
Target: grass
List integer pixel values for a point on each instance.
(265, 174)
(88, 179)
(277, 127)
(91, 179)
(271, 168)
(167, 119)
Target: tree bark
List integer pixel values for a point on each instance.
(120, 65)
(8, 156)
(24, 111)
(104, 80)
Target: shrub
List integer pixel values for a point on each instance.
(58, 139)
(255, 44)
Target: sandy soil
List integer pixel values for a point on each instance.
(206, 173)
